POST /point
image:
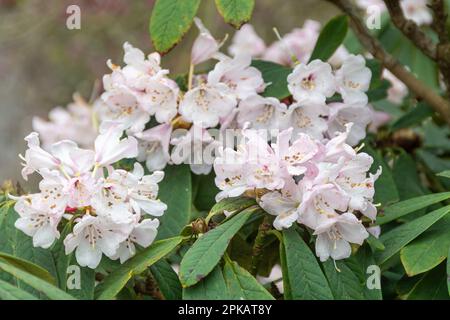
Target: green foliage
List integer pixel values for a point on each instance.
(306, 280)
(206, 252)
(212, 287)
(330, 38)
(276, 76)
(117, 279)
(170, 21)
(235, 12)
(167, 280)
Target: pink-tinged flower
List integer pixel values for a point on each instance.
(295, 156)
(110, 148)
(263, 168)
(337, 147)
(312, 82)
(308, 119)
(230, 173)
(379, 119)
(339, 56)
(161, 98)
(242, 79)
(353, 79)
(74, 160)
(300, 42)
(196, 148)
(358, 113)
(80, 190)
(319, 202)
(205, 47)
(335, 233)
(417, 11)
(154, 146)
(247, 41)
(36, 158)
(94, 236)
(353, 180)
(123, 106)
(283, 204)
(144, 233)
(375, 231)
(71, 123)
(397, 91)
(260, 112)
(206, 104)
(40, 214)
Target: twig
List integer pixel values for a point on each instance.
(411, 29)
(439, 104)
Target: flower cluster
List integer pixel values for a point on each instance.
(324, 186)
(106, 206)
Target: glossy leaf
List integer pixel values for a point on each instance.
(275, 76)
(330, 38)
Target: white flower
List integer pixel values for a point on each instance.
(312, 82)
(192, 148)
(397, 91)
(417, 11)
(353, 78)
(247, 41)
(144, 233)
(357, 113)
(161, 98)
(205, 46)
(308, 119)
(94, 236)
(230, 173)
(40, 215)
(242, 79)
(154, 146)
(110, 148)
(334, 235)
(283, 204)
(122, 106)
(71, 123)
(206, 104)
(261, 112)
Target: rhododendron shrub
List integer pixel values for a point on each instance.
(281, 171)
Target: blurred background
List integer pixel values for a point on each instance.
(42, 63)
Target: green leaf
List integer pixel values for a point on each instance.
(406, 177)
(116, 280)
(18, 244)
(40, 285)
(170, 21)
(402, 208)
(242, 285)
(10, 292)
(428, 250)
(276, 75)
(231, 205)
(330, 38)
(385, 189)
(395, 239)
(284, 270)
(306, 280)
(29, 267)
(212, 287)
(414, 117)
(448, 272)
(206, 252)
(176, 191)
(432, 286)
(235, 12)
(167, 280)
(359, 264)
(344, 284)
(445, 174)
(204, 198)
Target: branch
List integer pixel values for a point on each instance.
(439, 104)
(411, 29)
(443, 47)
(258, 246)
